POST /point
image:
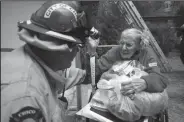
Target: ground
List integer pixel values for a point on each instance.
(175, 90)
(176, 94)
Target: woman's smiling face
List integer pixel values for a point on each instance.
(128, 47)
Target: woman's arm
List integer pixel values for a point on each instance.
(156, 81)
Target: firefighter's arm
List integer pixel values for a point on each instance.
(75, 76)
(23, 109)
(156, 81)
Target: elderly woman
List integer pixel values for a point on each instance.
(133, 45)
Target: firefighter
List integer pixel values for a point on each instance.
(35, 76)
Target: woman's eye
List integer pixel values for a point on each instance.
(129, 45)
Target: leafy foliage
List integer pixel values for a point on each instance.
(161, 27)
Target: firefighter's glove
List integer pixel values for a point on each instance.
(91, 45)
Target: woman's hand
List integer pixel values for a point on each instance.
(134, 86)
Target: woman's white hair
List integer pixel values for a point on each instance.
(136, 34)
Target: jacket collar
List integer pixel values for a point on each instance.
(57, 80)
